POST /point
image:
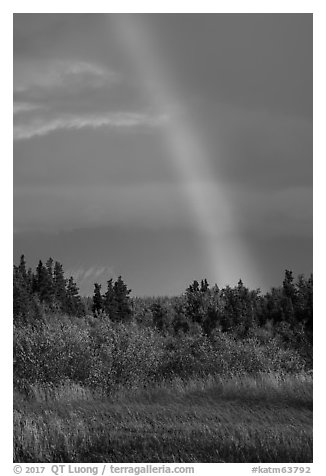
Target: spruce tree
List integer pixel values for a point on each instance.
(29, 280)
(51, 289)
(122, 301)
(74, 306)
(43, 283)
(22, 267)
(25, 306)
(109, 301)
(59, 284)
(97, 299)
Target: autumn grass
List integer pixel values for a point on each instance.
(248, 418)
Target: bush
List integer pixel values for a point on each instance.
(52, 353)
(102, 354)
(124, 354)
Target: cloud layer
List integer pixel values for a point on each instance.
(57, 74)
(39, 86)
(41, 127)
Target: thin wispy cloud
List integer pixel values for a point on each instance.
(42, 126)
(23, 107)
(57, 87)
(46, 75)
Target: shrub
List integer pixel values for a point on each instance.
(104, 354)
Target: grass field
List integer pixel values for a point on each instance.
(262, 418)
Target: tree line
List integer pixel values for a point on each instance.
(203, 307)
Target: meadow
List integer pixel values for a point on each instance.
(265, 418)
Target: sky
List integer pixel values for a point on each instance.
(164, 147)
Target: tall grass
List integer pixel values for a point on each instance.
(269, 387)
(266, 418)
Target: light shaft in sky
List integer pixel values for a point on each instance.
(226, 256)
